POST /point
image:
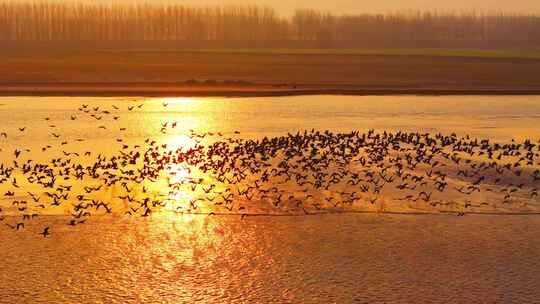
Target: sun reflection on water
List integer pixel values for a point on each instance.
(183, 142)
(176, 100)
(178, 174)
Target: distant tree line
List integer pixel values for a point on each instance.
(254, 26)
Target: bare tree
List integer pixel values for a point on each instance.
(104, 25)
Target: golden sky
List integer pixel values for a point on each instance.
(360, 6)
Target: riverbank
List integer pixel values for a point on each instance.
(182, 90)
(269, 72)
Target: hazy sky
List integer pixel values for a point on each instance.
(359, 6)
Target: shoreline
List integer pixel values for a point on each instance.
(168, 90)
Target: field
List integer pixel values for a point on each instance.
(479, 53)
(270, 70)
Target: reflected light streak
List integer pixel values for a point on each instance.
(178, 174)
(183, 142)
(177, 100)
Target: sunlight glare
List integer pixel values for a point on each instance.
(183, 142)
(176, 100)
(178, 174)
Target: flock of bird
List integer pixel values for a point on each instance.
(305, 173)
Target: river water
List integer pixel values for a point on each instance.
(326, 258)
